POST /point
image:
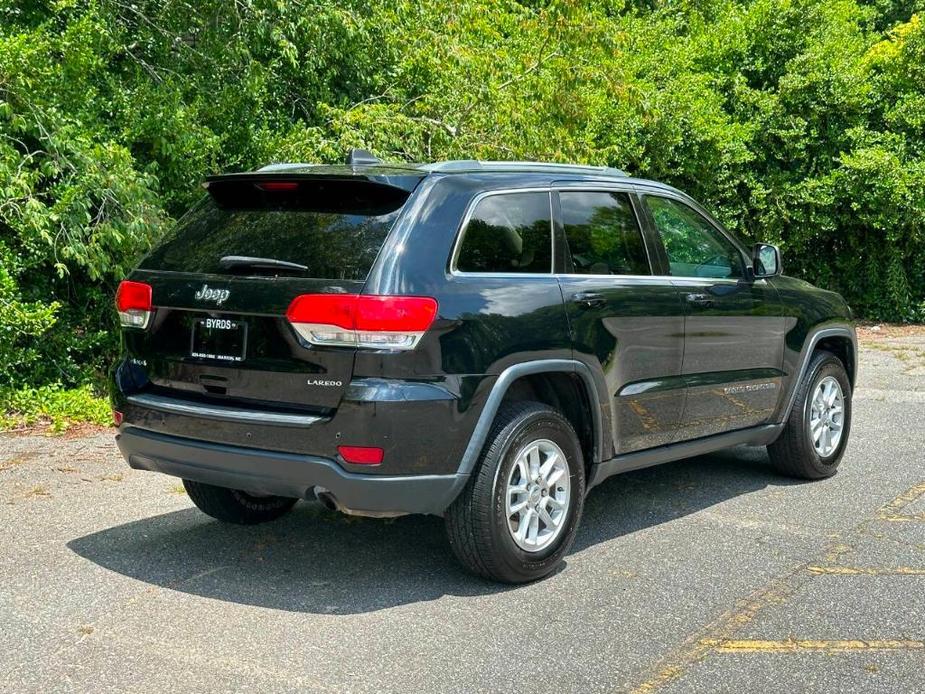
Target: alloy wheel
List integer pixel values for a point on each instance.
(827, 416)
(537, 495)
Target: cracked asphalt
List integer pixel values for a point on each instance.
(710, 574)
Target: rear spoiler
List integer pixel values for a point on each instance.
(397, 176)
(321, 189)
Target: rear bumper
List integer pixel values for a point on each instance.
(285, 474)
(423, 426)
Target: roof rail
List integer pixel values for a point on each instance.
(453, 165)
(472, 164)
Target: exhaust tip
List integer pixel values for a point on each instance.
(330, 502)
(327, 499)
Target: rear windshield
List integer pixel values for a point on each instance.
(332, 228)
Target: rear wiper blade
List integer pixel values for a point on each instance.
(229, 262)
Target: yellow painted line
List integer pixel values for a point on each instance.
(695, 648)
(699, 645)
(891, 510)
(901, 518)
(833, 556)
(802, 645)
(866, 570)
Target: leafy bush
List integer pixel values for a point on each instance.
(59, 408)
(800, 122)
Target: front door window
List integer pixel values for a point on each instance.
(695, 247)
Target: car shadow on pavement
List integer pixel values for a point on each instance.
(318, 561)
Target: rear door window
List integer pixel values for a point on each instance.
(603, 234)
(508, 233)
(333, 229)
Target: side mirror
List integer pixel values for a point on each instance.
(766, 261)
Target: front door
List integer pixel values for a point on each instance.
(624, 320)
(734, 329)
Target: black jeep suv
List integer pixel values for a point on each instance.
(480, 340)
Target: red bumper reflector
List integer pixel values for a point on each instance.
(117, 417)
(361, 455)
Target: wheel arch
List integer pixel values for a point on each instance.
(550, 381)
(564, 392)
(841, 340)
(843, 348)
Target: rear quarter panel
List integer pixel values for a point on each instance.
(484, 323)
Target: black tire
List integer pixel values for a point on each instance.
(235, 506)
(476, 523)
(793, 453)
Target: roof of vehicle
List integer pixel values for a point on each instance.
(407, 175)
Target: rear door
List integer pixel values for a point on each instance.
(223, 280)
(624, 320)
(734, 329)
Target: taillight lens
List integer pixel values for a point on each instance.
(357, 320)
(133, 302)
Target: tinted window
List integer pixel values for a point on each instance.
(334, 229)
(511, 232)
(603, 234)
(694, 247)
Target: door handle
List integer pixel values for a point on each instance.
(589, 300)
(700, 300)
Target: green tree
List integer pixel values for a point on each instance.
(796, 121)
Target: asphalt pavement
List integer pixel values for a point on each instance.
(705, 575)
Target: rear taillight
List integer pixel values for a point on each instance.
(133, 302)
(357, 320)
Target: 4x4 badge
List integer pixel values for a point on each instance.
(209, 294)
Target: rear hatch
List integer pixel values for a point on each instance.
(223, 281)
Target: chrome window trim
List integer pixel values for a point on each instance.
(577, 276)
(568, 275)
(628, 192)
(467, 216)
(629, 187)
(696, 279)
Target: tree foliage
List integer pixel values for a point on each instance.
(800, 122)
